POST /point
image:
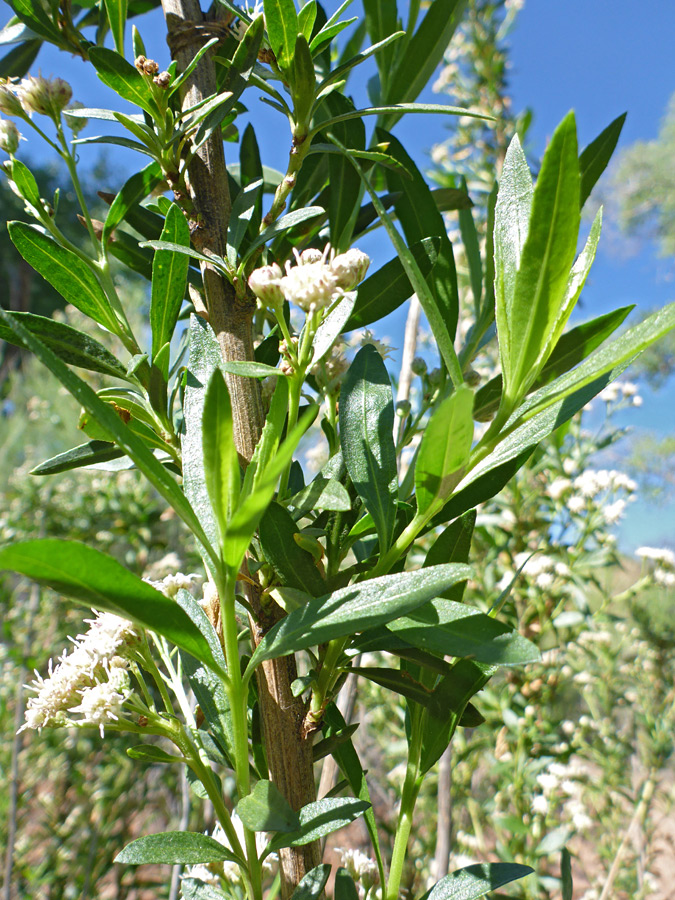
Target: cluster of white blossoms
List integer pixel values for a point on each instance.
(563, 779)
(663, 571)
(542, 569)
(171, 584)
(586, 490)
(313, 282)
(621, 391)
(361, 867)
(91, 680)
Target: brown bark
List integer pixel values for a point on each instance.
(289, 755)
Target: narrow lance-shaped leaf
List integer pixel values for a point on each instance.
(545, 263)
(79, 571)
(476, 881)
(594, 158)
(125, 79)
(65, 271)
(281, 21)
(221, 466)
(116, 11)
(169, 277)
(512, 219)
(72, 346)
(445, 448)
(132, 445)
(356, 608)
(366, 434)
(132, 192)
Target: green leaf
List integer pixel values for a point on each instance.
(454, 629)
(572, 348)
(512, 219)
(345, 889)
(400, 109)
(206, 685)
(381, 17)
(98, 580)
(293, 565)
(331, 327)
(553, 841)
(266, 809)
(345, 183)
(593, 160)
(151, 754)
(290, 220)
(85, 455)
(347, 759)
(471, 244)
(330, 30)
(385, 290)
(343, 68)
(306, 19)
(65, 271)
(452, 545)
(420, 218)
(396, 680)
(281, 21)
(116, 11)
(204, 359)
(134, 190)
(72, 346)
(175, 848)
(132, 445)
(125, 79)
(18, 61)
(169, 277)
(444, 450)
(422, 53)
(476, 881)
(35, 16)
(318, 819)
(547, 257)
(221, 466)
(244, 209)
(25, 183)
(251, 507)
(366, 434)
(356, 608)
(322, 493)
(248, 369)
(312, 885)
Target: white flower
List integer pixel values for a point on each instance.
(576, 504)
(361, 867)
(558, 487)
(171, 584)
(350, 268)
(544, 581)
(547, 782)
(613, 513)
(48, 96)
(9, 136)
(540, 804)
(657, 554)
(104, 700)
(667, 579)
(367, 337)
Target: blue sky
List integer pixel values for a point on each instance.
(598, 58)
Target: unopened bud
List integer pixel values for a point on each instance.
(139, 62)
(350, 268)
(75, 123)
(310, 255)
(47, 96)
(9, 136)
(163, 80)
(265, 284)
(403, 408)
(472, 377)
(418, 366)
(10, 104)
(150, 67)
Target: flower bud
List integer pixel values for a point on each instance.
(10, 104)
(146, 66)
(47, 96)
(75, 123)
(265, 284)
(310, 255)
(350, 268)
(9, 136)
(162, 80)
(418, 366)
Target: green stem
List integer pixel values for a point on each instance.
(238, 708)
(411, 789)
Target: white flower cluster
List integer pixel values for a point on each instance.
(329, 370)
(170, 585)
(563, 779)
(663, 572)
(90, 680)
(540, 567)
(620, 391)
(361, 867)
(313, 282)
(365, 337)
(582, 492)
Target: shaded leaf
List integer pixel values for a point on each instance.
(85, 455)
(318, 819)
(266, 809)
(476, 881)
(175, 848)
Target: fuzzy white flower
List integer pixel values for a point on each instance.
(367, 337)
(558, 487)
(613, 512)
(664, 578)
(576, 504)
(657, 554)
(540, 804)
(103, 702)
(361, 867)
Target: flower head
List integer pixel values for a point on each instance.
(47, 96)
(9, 137)
(10, 105)
(265, 283)
(350, 268)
